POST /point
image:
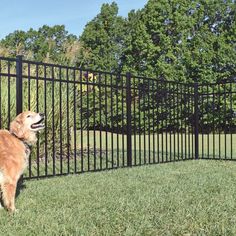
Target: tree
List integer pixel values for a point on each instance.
(48, 44)
(182, 40)
(103, 38)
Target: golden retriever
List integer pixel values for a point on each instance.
(14, 152)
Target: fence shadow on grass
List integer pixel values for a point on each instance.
(20, 186)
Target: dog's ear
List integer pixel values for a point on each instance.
(16, 128)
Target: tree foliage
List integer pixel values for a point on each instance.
(182, 40)
(47, 44)
(103, 37)
(176, 40)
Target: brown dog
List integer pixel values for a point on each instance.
(14, 152)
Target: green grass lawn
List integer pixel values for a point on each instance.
(184, 198)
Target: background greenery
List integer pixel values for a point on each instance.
(175, 40)
(168, 41)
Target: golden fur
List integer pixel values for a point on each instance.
(14, 152)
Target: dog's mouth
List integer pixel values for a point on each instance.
(38, 125)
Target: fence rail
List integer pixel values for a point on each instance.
(98, 120)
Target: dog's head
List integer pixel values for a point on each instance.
(26, 124)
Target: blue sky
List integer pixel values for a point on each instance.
(74, 14)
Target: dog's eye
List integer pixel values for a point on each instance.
(28, 116)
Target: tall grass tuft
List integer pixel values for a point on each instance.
(54, 98)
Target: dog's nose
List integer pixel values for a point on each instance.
(41, 114)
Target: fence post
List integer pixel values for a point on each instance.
(18, 84)
(128, 110)
(196, 119)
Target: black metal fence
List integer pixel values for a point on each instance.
(98, 120)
